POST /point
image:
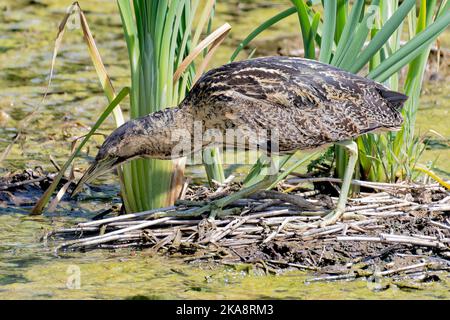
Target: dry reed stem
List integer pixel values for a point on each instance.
(269, 219)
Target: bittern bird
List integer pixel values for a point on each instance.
(308, 103)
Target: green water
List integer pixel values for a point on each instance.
(28, 269)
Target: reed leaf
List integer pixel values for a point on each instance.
(262, 168)
(40, 205)
(341, 19)
(380, 39)
(358, 39)
(347, 33)
(305, 26)
(265, 25)
(329, 29)
(105, 82)
(411, 50)
(213, 40)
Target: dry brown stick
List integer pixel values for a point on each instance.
(368, 184)
(164, 241)
(359, 208)
(369, 202)
(246, 229)
(441, 225)
(382, 214)
(185, 188)
(407, 268)
(264, 205)
(246, 236)
(296, 265)
(91, 242)
(334, 278)
(354, 227)
(54, 163)
(233, 243)
(22, 183)
(394, 206)
(266, 214)
(336, 228)
(126, 217)
(276, 232)
(292, 199)
(378, 206)
(182, 228)
(414, 240)
(373, 196)
(424, 237)
(393, 239)
(439, 208)
(319, 231)
(117, 232)
(227, 229)
(289, 211)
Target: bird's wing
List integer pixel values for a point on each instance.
(309, 102)
(282, 81)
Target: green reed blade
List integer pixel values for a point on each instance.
(330, 7)
(389, 27)
(305, 26)
(347, 33)
(412, 49)
(341, 18)
(40, 205)
(359, 37)
(264, 26)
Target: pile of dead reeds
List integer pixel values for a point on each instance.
(273, 216)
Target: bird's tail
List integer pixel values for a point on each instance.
(395, 99)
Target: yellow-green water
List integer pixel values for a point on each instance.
(28, 269)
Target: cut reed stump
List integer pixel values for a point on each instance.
(404, 227)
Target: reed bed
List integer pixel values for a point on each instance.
(163, 41)
(273, 228)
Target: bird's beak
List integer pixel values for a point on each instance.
(96, 169)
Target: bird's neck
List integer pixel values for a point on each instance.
(166, 133)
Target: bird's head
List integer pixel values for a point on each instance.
(149, 136)
(124, 143)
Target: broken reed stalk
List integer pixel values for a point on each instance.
(265, 219)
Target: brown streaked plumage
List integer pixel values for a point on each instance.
(309, 103)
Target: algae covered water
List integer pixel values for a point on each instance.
(30, 270)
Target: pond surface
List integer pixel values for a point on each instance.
(28, 269)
